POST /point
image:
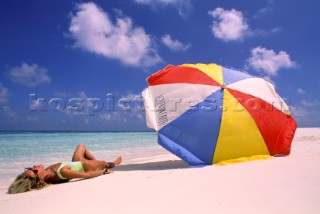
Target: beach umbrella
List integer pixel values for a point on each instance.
(206, 114)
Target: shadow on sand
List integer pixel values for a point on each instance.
(161, 165)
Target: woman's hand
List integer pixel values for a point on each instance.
(108, 171)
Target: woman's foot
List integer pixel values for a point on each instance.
(118, 161)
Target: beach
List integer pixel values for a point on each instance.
(159, 182)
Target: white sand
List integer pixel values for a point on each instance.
(166, 185)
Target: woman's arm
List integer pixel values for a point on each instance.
(70, 174)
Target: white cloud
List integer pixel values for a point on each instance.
(174, 44)
(184, 6)
(35, 105)
(299, 112)
(62, 94)
(267, 78)
(130, 102)
(157, 1)
(110, 116)
(4, 94)
(9, 112)
(93, 31)
(29, 75)
(83, 105)
(305, 117)
(268, 61)
(129, 107)
(229, 25)
(32, 118)
(276, 29)
(300, 91)
(262, 11)
(310, 104)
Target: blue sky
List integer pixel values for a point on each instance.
(81, 65)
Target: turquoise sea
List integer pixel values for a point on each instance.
(25, 149)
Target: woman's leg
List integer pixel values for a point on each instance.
(82, 153)
(93, 165)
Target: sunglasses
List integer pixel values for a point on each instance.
(33, 170)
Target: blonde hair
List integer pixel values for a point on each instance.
(24, 183)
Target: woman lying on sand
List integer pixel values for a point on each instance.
(83, 165)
